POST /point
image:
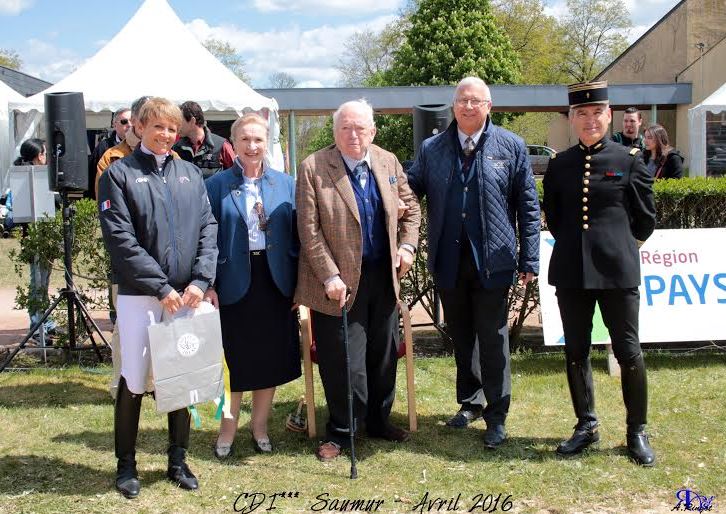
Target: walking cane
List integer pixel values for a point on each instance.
(351, 426)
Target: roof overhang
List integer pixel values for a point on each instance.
(526, 98)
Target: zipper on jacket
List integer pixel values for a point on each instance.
(172, 230)
(482, 186)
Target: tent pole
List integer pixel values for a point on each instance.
(292, 151)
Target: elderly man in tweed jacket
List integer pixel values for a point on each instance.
(354, 248)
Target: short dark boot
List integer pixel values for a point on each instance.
(638, 446)
(635, 396)
(582, 391)
(126, 427)
(178, 471)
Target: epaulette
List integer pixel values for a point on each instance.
(633, 151)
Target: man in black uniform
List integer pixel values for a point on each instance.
(598, 201)
(211, 153)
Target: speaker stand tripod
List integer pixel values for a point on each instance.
(69, 293)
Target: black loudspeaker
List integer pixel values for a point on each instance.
(429, 120)
(66, 146)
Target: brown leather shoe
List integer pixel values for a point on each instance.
(328, 451)
(391, 433)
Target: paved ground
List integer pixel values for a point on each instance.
(14, 323)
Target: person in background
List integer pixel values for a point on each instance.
(662, 160)
(124, 147)
(631, 136)
(32, 153)
(209, 152)
(161, 235)
(121, 123)
(599, 206)
(256, 275)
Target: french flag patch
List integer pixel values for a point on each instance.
(105, 205)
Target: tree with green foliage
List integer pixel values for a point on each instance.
(227, 55)
(536, 37)
(449, 40)
(441, 42)
(10, 59)
(595, 33)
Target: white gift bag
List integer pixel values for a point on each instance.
(186, 357)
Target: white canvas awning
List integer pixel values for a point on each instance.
(716, 104)
(7, 146)
(158, 56)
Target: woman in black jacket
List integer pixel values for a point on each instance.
(162, 238)
(662, 160)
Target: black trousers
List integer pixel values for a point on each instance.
(619, 308)
(473, 312)
(373, 337)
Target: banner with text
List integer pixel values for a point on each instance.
(682, 290)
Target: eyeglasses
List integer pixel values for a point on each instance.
(260, 211)
(123, 121)
(475, 102)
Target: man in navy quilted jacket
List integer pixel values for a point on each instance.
(481, 196)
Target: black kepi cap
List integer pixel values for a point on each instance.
(586, 93)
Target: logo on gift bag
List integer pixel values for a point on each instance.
(187, 344)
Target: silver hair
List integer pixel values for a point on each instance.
(247, 119)
(360, 104)
(472, 81)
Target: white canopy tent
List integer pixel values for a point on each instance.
(183, 70)
(716, 104)
(7, 146)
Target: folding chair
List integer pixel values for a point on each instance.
(307, 343)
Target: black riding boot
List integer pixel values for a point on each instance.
(635, 396)
(579, 378)
(178, 471)
(125, 429)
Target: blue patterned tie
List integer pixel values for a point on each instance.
(361, 173)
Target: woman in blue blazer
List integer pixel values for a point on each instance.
(256, 274)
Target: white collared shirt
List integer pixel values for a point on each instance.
(252, 194)
(474, 137)
(159, 158)
(353, 163)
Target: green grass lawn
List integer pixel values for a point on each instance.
(56, 447)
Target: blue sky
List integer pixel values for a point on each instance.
(301, 37)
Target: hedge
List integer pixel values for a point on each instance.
(693, 202)
(680, 203)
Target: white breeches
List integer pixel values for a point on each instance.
(134, 315)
